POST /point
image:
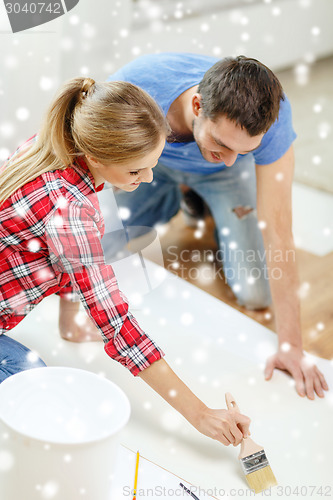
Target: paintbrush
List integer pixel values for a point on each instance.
(136, 475)
(252, 456)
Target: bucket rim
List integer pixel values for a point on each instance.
(70, 370)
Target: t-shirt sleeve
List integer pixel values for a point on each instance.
(278, 138)
(75, 249)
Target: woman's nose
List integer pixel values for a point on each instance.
(147, 175)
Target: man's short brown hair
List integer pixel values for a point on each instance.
(243, 90)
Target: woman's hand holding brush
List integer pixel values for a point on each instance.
(226, 426)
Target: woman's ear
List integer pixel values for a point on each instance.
(94, 163)
(196, 104)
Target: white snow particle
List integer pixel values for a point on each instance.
(74, 20)
(50, 489)
(324, 130)
(7, 129)
(316, 160)
(22, 114)
(315, 31)
(317, 108)
(106, 408)
(136, 299)
(124, 213)
(67, 43)
(147, 405)
(285, 347)
(32, 357)
(304, 290)
(4, 154)
(262, 224)
(33, 246)
(46, 83)
(199, 356)
(302, 74)
(136, 51)
(186, 319)
(6, 460)
(58, 220)
(11, 62)
(84, 70)
(225, 231)
(88, 30)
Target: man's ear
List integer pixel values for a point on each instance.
(196, 104)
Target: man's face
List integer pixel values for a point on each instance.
(222, 140)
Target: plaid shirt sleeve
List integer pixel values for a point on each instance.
(75, 249)
(67, 292)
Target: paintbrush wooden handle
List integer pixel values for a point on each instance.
(248, 446)
(231, 403)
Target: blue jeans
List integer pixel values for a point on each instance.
(241, 249)
(15, 357)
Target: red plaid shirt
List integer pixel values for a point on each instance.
(50, 242)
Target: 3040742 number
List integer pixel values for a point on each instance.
(33, 8)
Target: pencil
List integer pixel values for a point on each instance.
(136, 475)
(255, 465)
(189, 491)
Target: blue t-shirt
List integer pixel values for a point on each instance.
(167, 75)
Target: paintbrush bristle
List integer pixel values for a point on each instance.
(261, 479)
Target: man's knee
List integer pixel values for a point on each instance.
(253, 297)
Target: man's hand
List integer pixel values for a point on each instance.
(308, 379)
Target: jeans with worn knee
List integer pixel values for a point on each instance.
(241, 250)
(15, 357)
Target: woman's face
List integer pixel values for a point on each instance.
(127, 176)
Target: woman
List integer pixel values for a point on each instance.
(51, 229)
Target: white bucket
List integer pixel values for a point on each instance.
(58, 434)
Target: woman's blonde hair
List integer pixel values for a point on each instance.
(110, 121)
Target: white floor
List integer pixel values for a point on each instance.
(214, 349)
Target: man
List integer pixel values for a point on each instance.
(231, 142)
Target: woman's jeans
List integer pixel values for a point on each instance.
(15, 357)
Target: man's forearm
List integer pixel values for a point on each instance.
(284, 284)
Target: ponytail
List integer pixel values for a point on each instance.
(112, 122)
